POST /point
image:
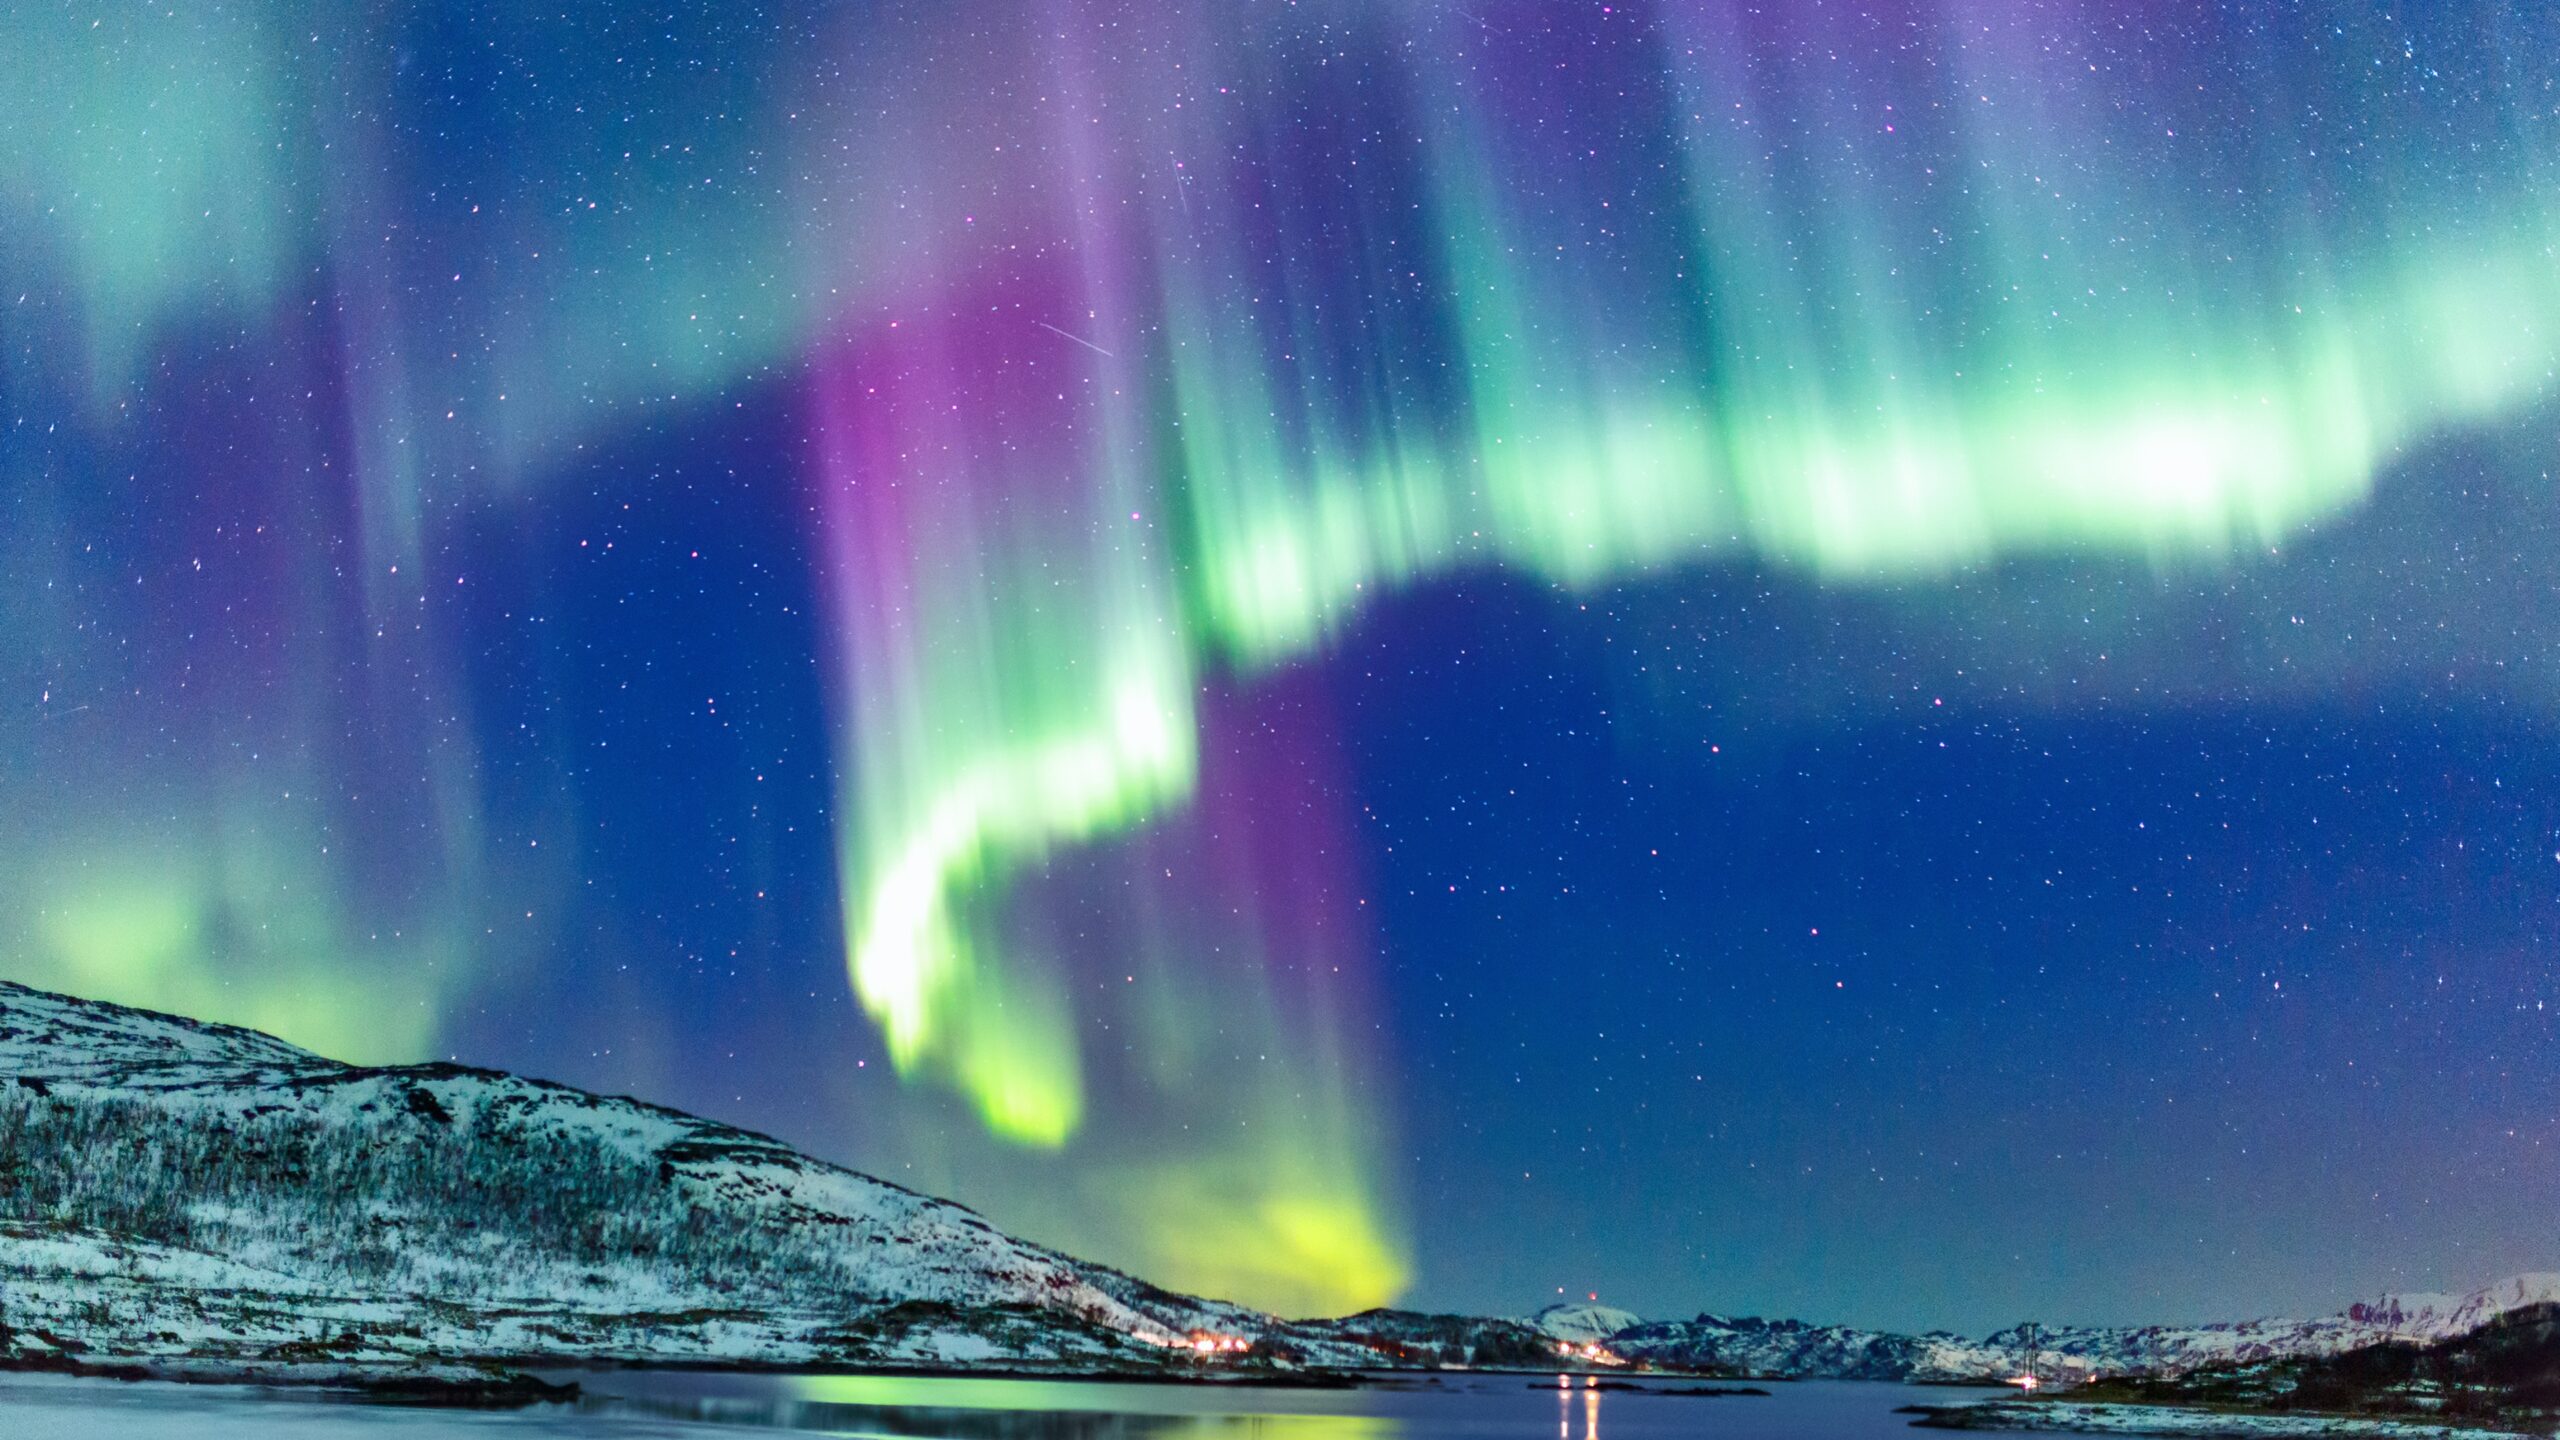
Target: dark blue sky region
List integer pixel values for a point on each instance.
(1848, 943)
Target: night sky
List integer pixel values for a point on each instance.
(1889, 663)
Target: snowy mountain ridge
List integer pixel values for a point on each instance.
(173, 1189)
(2440, 1317)
(1793, 1348)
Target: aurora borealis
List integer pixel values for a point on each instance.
(1216, 628)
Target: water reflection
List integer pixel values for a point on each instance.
(1470, 1406)
(664, 1405)
(1566, 1391)
(917, 1408)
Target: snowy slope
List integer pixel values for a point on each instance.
(173, 1189)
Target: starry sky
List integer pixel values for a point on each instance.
(1882, 662)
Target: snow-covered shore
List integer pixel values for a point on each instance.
(2068, 1417)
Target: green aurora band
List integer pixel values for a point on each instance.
(1200, 325)
(1966, 312)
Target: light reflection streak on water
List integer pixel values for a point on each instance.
(1590, 1408)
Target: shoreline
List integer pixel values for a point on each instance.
(2183, 1422)
(518, 1382)
(446, 1385)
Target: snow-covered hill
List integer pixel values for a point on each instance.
(1583, 1324)
(178, 1191)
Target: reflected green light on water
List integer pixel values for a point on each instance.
(1007, 1409)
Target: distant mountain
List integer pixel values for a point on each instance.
(1409, 1339)
(2438, 1317)
(1581, 1324)
(1748, 1346)
(2500, 1375)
